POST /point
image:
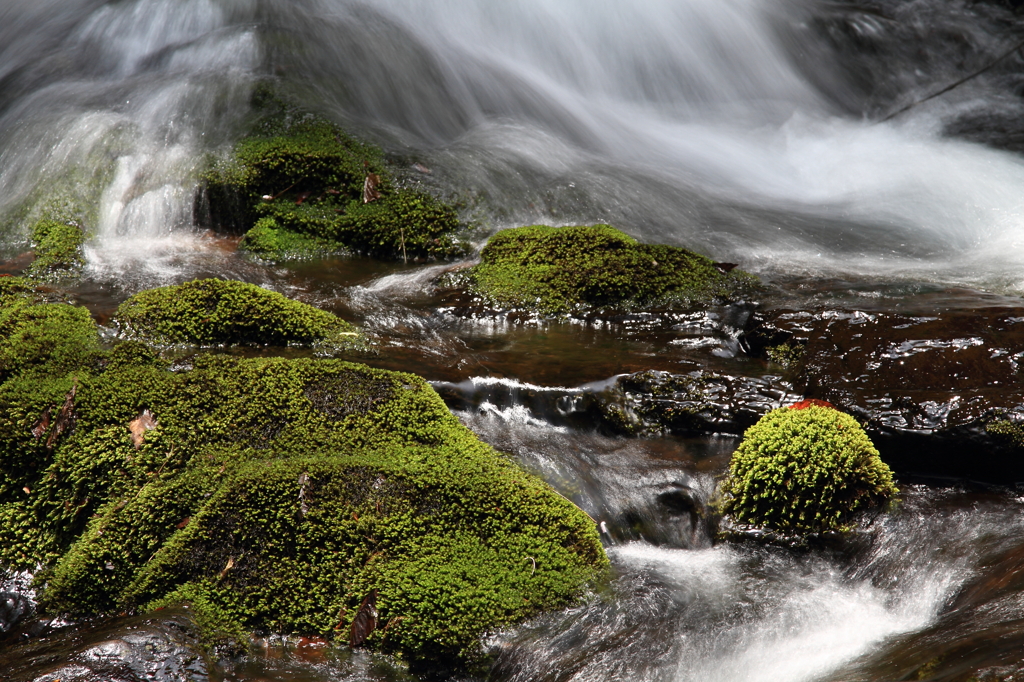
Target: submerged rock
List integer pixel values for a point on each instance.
(570, 270)
(299, 186)
(275, 495)
(932, 390)
(804, 469)
(162, 647)
(222, 312)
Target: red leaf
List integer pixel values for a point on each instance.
(804, 404)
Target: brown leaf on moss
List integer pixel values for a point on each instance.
(370, 191)
(42, 425)
(65, 418)
(138, 426)
(227, 567)
(365, 621)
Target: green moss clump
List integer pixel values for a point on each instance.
(307, 175)
(574, 269)
(806, 470)
(50, 338)
(272, 495)
(267, 240)
(223, 312)
(786, 354)
(1008, 431)
(58, 249)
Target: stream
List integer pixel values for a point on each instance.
(749, 130)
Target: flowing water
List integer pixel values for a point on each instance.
(751, 130)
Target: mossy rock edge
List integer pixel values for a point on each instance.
(213, 312)
(296, 187)
(804, 469)
(566, 270)
(270, 495)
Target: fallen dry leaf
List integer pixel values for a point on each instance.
(370, 191)
(65, 418)
(42, 425)
(365, 621)
(138, 426)
(227, 567)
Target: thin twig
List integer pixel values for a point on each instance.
(955, 84)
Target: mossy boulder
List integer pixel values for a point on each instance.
(561, 270)
(805, 469)
(38, 337)
(274, 495)
(58, 249)
(211, 312)
(298, 185)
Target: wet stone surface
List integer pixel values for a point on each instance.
(649, 403)
(159, 647)
(927, 387)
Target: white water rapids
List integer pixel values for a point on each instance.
(687, 121)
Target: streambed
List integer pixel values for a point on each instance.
(746, 129)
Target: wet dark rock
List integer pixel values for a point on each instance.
(155, 648)
(939, 394)
(14, 608)
(649, 403)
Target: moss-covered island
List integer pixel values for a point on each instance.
(298, 185)
(268, 494)
(212, 312)
(562, 270)
(805, 469)
(57, 245)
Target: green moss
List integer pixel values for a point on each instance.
(805, 470)
(572, 269)
(217, 312)
(58, 249)
(273, 495)
(786, 354)
(269, 241)
(17, 288)
(49, 337)
(307, 175)
(1008, 431)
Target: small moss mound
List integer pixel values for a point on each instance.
(37, 337)
(223, 312)
(574, 269)
(58, 250)
(269, 241)
(297, 187)
(806, 470)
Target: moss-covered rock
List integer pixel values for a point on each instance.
(575, 269)
(39, 337)
(58, 249)
(274, 495)
(211, 312)
(312, 180)
(805, 469)
(269, 241)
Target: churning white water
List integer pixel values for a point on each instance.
(710, 124)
